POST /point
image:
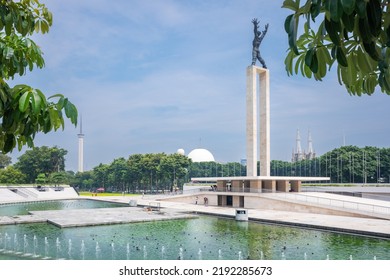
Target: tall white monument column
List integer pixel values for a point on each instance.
(257, 80)
(81, 148)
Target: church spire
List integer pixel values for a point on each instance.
(310, 151)
(298, 154)
(298, 143)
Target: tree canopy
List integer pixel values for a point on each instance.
(24, 110)
(353, 34)
(11, 175)
(347, 164)
(159, 172)
(147, 172)
(5, 160)
(41, 160)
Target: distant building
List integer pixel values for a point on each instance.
(201, 155)
(299, 154)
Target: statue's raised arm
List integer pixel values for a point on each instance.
(255, 25)
(264, 31)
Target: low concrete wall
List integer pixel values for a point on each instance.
(280, 205)
(192, 199)
(20, 194)
(256, 201)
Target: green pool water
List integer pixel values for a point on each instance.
(207, 238)
(24, 208)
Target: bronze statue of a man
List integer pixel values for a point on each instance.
(257, 41)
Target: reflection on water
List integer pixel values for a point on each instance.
(207, 238)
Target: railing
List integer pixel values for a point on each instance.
(352, 205)
(359, 206)
(26, 193)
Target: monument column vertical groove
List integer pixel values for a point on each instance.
(251, 121)
(265, 159)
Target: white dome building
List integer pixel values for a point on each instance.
(201, 155)
(181, 152)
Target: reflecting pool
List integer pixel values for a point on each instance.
(206, 237)
(24, 208)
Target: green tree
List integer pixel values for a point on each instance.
(41, 178)
(214, 169)
(5, 160)
(118, 173)
(173, 168)
(100, 175)
(43, 160)
(83, 180)
(279, 168)
(150, 166)
(10, 175)
(351, 164)
(58, 178)
(135, 171)
(384, 164)
(354, 34)
(25, 111)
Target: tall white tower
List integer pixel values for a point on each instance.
(81, 147)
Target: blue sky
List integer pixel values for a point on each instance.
(153, 76)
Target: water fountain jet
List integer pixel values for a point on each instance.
(163, 252)
(128, 251)
(97, 251)
(35, 245)
(82, 250)
(70, 249)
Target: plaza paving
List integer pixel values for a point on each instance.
(108, 216)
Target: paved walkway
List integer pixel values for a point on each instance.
(108, 216)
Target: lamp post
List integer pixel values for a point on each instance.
(378, 167)
(364, 168)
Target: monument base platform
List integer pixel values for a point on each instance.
(259, 183)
